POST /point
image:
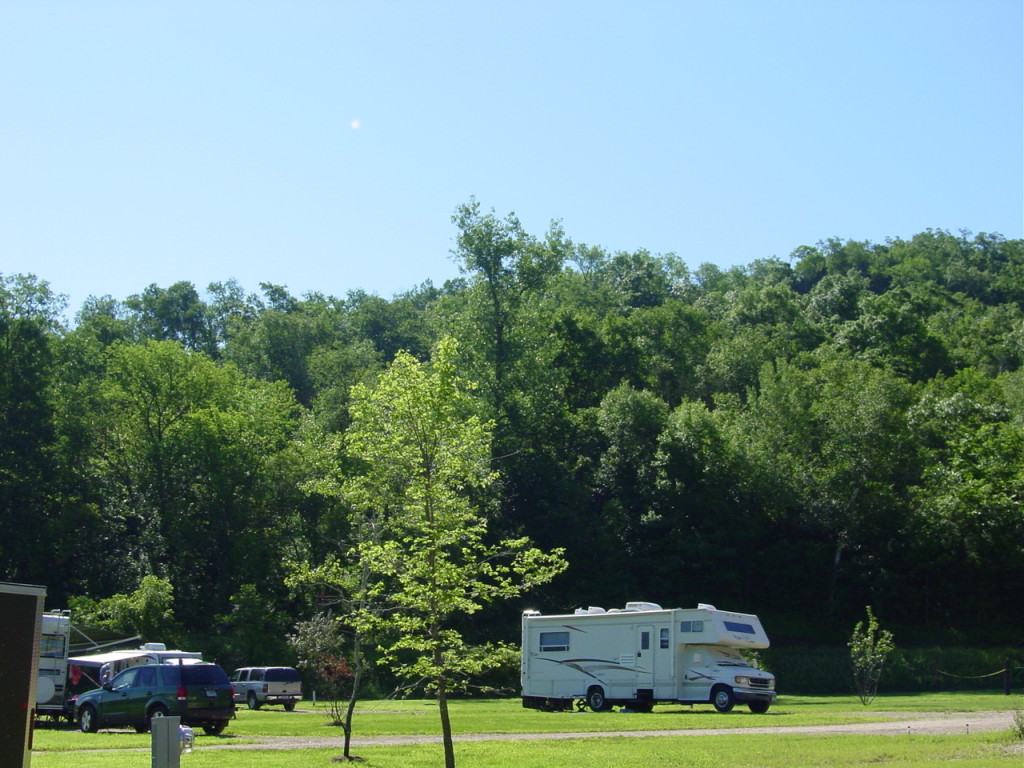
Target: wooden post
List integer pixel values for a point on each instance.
(21, 616)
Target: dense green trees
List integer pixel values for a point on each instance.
(796, 437)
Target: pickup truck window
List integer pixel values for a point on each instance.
(282, 675)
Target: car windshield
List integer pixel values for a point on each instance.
(282, 675)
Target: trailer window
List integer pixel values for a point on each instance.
(51, 646)
(663, 637)
(691, 626)
(554, 641)
(733, 626)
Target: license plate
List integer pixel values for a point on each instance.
(210, 694)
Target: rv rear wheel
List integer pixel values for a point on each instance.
(596, 700)
(722, 697)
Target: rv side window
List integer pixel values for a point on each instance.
(554, 641)
(691, 626)
(733, 626)
(663, 637)
(51, 646)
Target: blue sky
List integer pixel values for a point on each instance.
(325, 145)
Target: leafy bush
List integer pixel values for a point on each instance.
(870, 646)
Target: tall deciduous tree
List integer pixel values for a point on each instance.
(189, 458)
(27, 315)
(506, 265)
(426, 462)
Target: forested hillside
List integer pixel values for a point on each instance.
(797, 438)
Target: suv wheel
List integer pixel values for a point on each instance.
(252, 701)
(158, 710)
(87, 720)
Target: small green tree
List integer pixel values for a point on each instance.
(425, 458)
(870, 646)
(321, 642)
(319, 645)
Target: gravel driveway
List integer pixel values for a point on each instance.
(897, 723)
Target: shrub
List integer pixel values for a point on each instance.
(870, 646)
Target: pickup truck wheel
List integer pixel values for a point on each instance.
(289, 706)
(252, 701)
(87, 720)
(758, 707)
(596, 700)
(723, 698)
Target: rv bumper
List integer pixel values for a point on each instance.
(746, 695)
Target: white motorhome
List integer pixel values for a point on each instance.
(642, 655)
(51, 684)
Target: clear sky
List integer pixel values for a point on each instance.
(324, 145)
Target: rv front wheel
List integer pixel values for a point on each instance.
(596, 700)
(722, 697)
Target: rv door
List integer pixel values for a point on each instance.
(645, 657)
(696, 678)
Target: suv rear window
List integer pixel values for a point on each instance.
(282, 675)
(195, 674)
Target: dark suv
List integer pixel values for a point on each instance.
(200, 694)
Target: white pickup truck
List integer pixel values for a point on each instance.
(256, 686)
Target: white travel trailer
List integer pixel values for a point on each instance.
(101, 667)
(643, 655)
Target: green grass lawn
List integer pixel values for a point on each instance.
(64, 747)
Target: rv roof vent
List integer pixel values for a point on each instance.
(706, 607)
(641, 606)
(531, 613)
(154, 647)
(588, 610)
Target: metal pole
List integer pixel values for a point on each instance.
(166, 750)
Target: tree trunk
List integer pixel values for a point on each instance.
(446, 725)
(442, 697)
(357, 668)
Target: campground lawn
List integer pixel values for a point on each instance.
(63, 747)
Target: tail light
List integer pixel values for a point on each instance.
(182, 694)
(266, 688)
